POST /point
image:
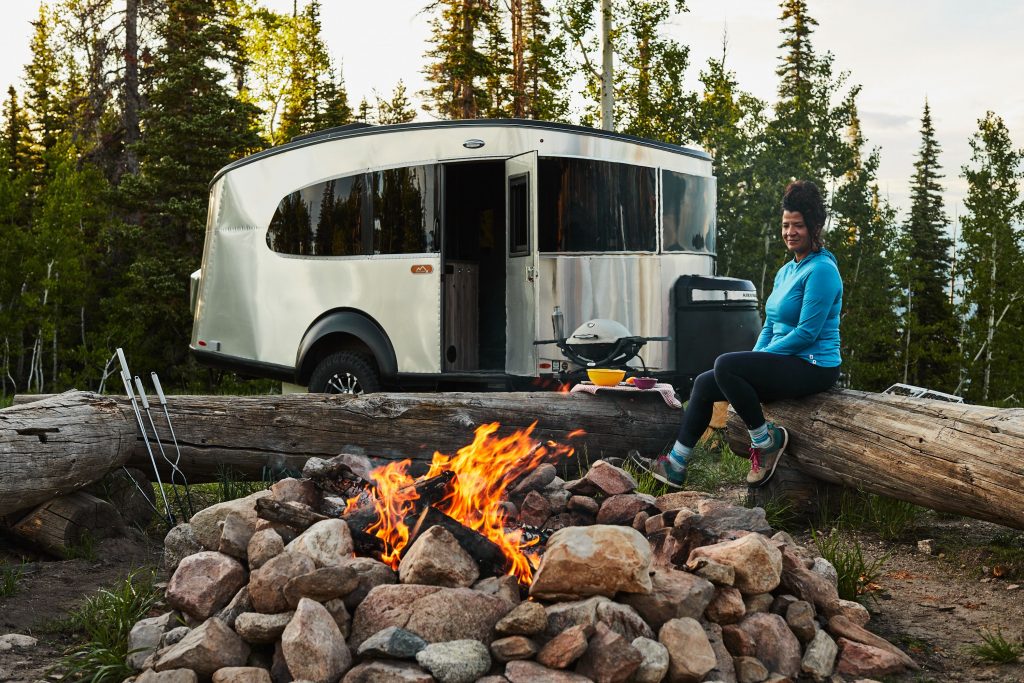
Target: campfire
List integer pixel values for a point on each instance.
(473, 486)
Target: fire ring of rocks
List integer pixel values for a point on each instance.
(313, 581)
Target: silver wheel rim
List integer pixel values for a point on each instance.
(343, 383)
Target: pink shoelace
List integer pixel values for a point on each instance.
(755, 459)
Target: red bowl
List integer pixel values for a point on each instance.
(644, 382)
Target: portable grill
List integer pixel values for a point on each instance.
(601, 343)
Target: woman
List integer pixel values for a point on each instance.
(796, 354)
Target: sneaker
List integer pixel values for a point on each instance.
(763, 461)
(660, 469)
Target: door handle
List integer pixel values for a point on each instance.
(531, 273)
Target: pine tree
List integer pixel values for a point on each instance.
(544, 66)
(993, 264)
(729, 124)
(929, 329)
(43, 86)
(190, 102)
(863, 238)
(396, 110)
(459, 67)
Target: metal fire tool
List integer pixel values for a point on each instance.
(175, 471)
(126, 379)
(159, 444)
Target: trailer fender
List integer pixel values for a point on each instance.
(350, 329)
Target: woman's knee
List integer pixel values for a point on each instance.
(729, 362)
(704, 385)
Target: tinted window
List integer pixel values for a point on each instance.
(596, 206)
(320, 220)
(518, 212)
(688, 212)
(405, 211)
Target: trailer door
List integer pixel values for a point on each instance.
(521, 264)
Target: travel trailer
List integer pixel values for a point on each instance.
(457, 254)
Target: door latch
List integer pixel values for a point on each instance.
(531, 273)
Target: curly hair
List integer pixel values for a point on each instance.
(805, 197)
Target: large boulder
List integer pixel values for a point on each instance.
(620, 618)
(775, 645)
(434, 613)
(267, 584)
(689, 651)
(674, 594)
(205, 649)
(594, 560)
(436, 559)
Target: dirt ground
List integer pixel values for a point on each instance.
(932, 605)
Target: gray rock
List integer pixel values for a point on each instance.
(392, 643)
(336, 608)
(455, 661)
(436, 559)
(759, 603)
(143, 639)
(715, 572)
(720, 516)
(724, 669)
(239, 604)
(820, 656)
(536, 480)
(504, 587)
(173, 636)
(371, 573)
(655, 661)
(257, 628)
(179, 543)
(824, 568)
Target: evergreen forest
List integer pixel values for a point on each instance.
(128, 108)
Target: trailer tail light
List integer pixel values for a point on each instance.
(211, 345)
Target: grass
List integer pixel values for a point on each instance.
(890, 518)
(10, 577)
(83, 549)
(856, 574)
(779, 513)
(103, 622)
(996, 649)
(710, 467)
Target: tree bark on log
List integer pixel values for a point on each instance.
(257, 436)
(63, 524)
(54, 446)
(950, 457)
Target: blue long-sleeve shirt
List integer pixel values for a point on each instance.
(802, 312)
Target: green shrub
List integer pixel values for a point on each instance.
(844, 551)
(104, 621)
(10, 577)
(995, 648)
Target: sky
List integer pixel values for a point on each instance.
(965, 58)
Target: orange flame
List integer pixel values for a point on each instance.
(483, 472)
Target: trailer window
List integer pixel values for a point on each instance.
(688, 212)
(320, 220)
(596, 206)
(406, 211)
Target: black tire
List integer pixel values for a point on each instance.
(344, 372)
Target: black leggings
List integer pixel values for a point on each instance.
(745, 379)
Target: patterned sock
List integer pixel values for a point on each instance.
(760, 437)
(678, 455)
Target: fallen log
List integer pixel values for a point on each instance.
(70, 524)
(58, 445)
(950, 457)
(255, 437)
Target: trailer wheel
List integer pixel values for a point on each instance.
(344, 373)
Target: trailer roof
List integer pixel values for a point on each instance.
(354, 130)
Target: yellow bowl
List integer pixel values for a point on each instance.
(606, 378)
